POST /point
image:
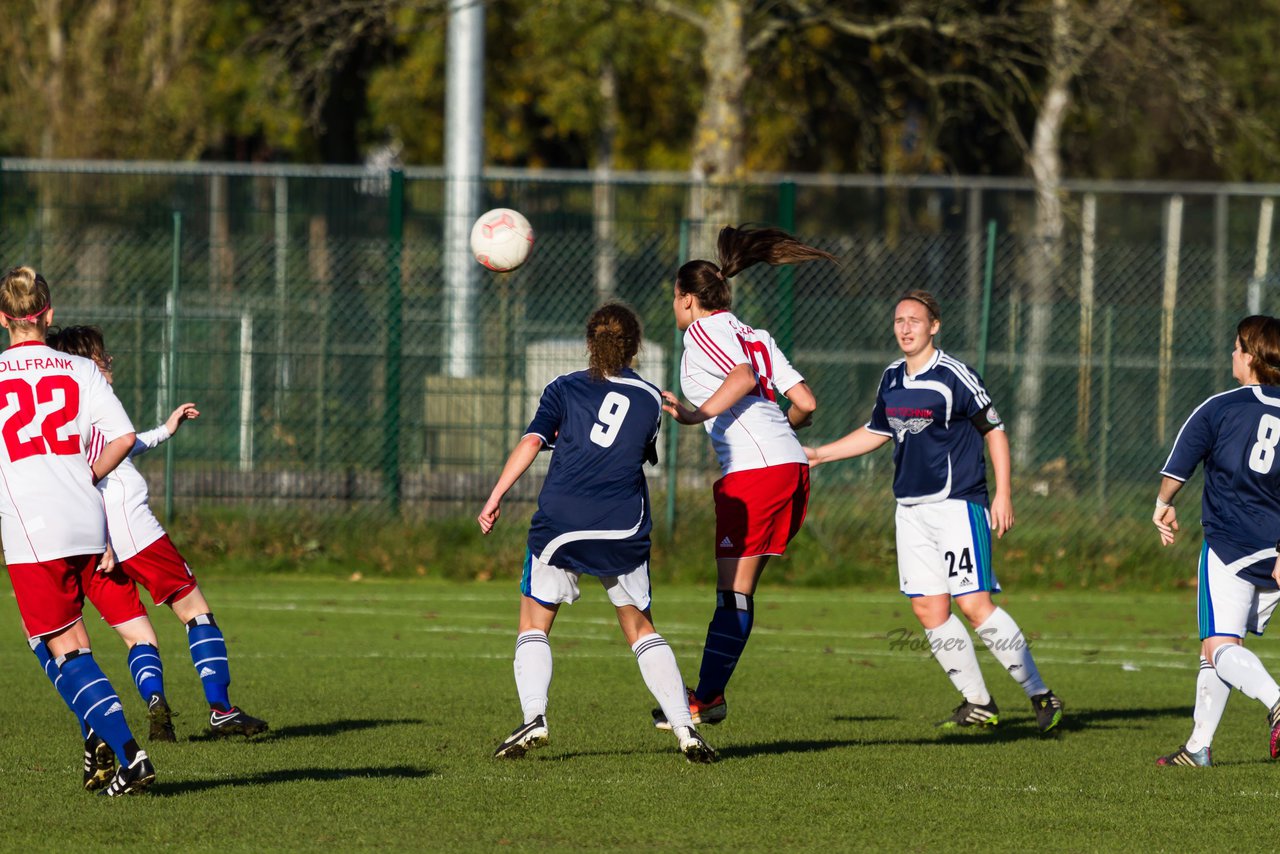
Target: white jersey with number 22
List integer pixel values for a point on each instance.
(753, 433)
(49, 403)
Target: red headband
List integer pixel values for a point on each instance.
(30, 318)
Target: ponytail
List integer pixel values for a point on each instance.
(737, 249)
(613, 339)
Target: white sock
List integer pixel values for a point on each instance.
(1240, 668)
(952, 647)
(1003, 637)
(1211, 699)
(662, 676)
(533, 672)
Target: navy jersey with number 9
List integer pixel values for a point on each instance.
(593, 511)
(1237, 435)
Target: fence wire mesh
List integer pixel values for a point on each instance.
(309, 316)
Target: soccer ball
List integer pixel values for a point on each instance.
(501, 239)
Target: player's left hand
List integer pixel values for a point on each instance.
(677, 410)
(1001, 515)
(489, 515)
(1275, 571)
(183, 413)
(1166, 522)
(107, 563)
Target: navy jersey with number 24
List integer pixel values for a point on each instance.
(1236, 434)
(593, 511)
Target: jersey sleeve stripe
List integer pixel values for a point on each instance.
(704, 342)
(966, 376)
(1164, 470)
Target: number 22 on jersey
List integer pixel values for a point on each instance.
(27, 398)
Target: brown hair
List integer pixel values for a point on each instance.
(737, 249)
(1260, 338)
(24, 296)
(926, 299)
(84, 341)
(613, 339)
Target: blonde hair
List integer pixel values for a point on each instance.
(24, 296)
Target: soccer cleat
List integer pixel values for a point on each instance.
(524, 738)
(235, 722)
(702, 713)
(132, 778)
(1273, 720)
(161, 718)
(1202, 758)
(1048, 709)
(694, 746)
(99, 762)
(971, 714)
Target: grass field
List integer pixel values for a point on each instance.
(386, 699)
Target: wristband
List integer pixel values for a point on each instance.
(1160, 505)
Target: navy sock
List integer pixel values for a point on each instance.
(726, 639)
(50, 668)
(96, 702)
(147, 670)
(209, 655)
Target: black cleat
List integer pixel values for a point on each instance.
(99, 762)
(1202, 758)
(1048, 709)
(132, 778)
(524, 738)
(972, 715)
(694, 746)
(235, 722)
(161, 718)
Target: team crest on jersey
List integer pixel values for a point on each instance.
(902, 426)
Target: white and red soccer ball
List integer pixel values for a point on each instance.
(501, 239)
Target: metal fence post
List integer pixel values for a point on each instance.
(786, 272)
(988, 275)
(395, 321)
(673, 428)
(171, 368)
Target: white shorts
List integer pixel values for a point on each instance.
(1230, 605)
(944, 547)
(551, 585)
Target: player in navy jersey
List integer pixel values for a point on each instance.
(733, 375)
(593, 518)
(52, 523)
(1235, 435)
(939, 416)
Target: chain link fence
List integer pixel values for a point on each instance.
(308, 314)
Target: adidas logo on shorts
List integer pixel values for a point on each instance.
(726, 543)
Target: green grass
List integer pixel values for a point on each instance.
(387, 697)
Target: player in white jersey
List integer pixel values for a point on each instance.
(1235, 435)
(733, 375)
(593, 519)
(51, 519)
(147, 556)
(939, 415)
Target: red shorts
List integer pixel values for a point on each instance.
(758, 511)
(161, 570)
(114, 595)
(50, 593)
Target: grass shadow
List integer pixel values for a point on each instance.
(291, 775)
(325, 728)
(1074, 720)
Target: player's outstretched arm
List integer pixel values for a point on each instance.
(1165, 517)
(737, 385)
(1002, 501)
(183, 413)
(859, 442)
(522, 456)
(112, 455)
(803, 405)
